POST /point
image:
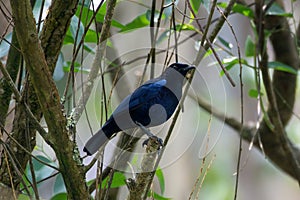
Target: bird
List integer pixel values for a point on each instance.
(151, 104)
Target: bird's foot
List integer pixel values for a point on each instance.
(154, 140)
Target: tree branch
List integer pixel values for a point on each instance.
(281, 95)
(55, 28)
(279, 150)
(139, 187)
(49, 101)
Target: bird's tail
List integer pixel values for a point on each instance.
(95, 142)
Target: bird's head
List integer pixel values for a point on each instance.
(183, 69)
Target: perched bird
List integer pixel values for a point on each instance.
(151, 104)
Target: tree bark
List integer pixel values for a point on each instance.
(49, 101)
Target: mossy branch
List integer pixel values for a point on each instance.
(48, 99)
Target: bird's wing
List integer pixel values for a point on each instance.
(146, 93)
(140, 96)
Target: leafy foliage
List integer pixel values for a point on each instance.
(82, 36)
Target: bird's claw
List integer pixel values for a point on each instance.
(155, 139)
(152, 139)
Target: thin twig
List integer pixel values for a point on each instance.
(40, 16)
(35, 122)
(175, 33)
(203, 162)
(152, 39)
(212, 9)
(176, 114)
(34, 182)
(204, 175)
(16, 169)
(72, 65)
(10, 175)
(97, 65)
(241, 106)
(208, 42)
(25, 150)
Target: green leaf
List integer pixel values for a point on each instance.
(208, 52)
(230, 60)
(185, 27)
(227, 44)
(239, 8)
(244, 10)
(118, 180)
(282, 67)
(249, 47)
(160, 176)
(75, 30)
(91, 36)
(229, 63)
(77, 67)
(41, 170)
(59, 185)
(60, 196)
(228, 67)
(86, 16)
(23, 197)
(254, 93)
(138, 22)
(68, 39)
(275, 9)
(195, 5)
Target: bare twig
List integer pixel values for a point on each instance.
(209, 45)
(241, 106)
(18, 98)
(203, 164)
(97, 60)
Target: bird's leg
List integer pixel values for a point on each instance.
(144, 129)
(150, 135)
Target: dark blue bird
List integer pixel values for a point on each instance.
(151, 104)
